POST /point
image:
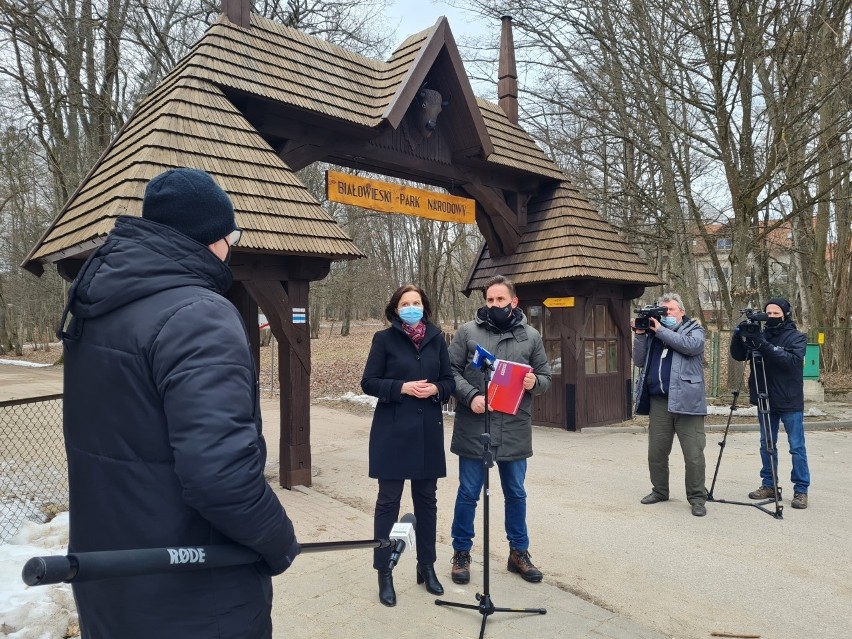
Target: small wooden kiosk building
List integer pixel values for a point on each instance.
(254, 101)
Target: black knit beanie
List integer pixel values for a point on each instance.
(189, 201)
(780, 301)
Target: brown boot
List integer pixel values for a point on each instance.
(461, 567)
(764, 492)
(800, 500)
(521, 563)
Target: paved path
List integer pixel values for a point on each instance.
(22, 382)
(613, 568)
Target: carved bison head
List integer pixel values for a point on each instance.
(427, 106)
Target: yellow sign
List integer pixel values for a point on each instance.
(820, 338)
(396, 198)
(559, 302)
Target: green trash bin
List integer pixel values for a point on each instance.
(812, 361)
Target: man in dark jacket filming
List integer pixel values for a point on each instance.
(782, 347)
(162, 422)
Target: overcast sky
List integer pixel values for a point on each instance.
(416, 15)
(411, 16)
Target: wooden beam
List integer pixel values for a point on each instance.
(395, 164)
(348, 145)
(278, 301)
(247, 266)
(273, 300)
(416, 74)
(492, 238)
(502, 221)
(69, 267)
(297, 155)
(247, 307)
(295, 446)
(273, 120)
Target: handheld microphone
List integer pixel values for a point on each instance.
(403, 536)
(481, 357)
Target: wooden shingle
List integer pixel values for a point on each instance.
(564, 242)
(189, 119)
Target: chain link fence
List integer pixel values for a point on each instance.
(33, 467)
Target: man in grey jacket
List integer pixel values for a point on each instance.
(670, 390)
(501, 328)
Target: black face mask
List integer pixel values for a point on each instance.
(227, 259)
(501, 316)
(772, 322)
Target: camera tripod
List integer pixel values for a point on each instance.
(486, 606)
(758, 373)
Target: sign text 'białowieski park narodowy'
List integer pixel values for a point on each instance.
(396, 198)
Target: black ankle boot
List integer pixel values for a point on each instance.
(387, 595)
(426, 573)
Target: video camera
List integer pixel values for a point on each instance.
(643, 321)
(750, 326)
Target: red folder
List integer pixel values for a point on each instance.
(507, 386)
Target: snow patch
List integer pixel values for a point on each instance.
(19, 362)
(35, 612)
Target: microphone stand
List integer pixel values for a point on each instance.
(486, 606)
(90, 566)
(761, 388)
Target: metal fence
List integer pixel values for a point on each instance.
(33, 467)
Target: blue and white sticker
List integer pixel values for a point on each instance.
(299, 316)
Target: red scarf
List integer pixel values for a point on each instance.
(416, 332)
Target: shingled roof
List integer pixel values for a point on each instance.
(565, 238)
(187, 122)
(193, 118)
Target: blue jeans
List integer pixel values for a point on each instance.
(793, 424)
(471, 478)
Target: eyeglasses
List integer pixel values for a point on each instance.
(234, 237)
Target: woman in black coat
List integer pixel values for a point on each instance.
(409, 371)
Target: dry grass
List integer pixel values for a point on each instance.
(51, 354)
(337, 362)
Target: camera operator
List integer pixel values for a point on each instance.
(782, 346)
(670, 390)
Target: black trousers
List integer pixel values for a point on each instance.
(387, 513)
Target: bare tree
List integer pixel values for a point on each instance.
(671, 114)
(73, 71)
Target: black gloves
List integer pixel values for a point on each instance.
(280, 564)
(755, 342)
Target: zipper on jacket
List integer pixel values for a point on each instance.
(660, 371)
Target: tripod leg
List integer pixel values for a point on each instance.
(482, 626)
(771, 452)
(763, 418)
(763, 413)
(736, 394)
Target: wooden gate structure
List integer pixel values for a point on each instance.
(254, 101)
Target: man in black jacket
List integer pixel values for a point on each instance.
(783, 349)
(162, 422)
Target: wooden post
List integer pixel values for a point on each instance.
(238, 12)
(279, 301)
(295, 377)
(507, 74)
(239, 297)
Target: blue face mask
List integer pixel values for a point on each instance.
(411, 314)
(667, 321)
